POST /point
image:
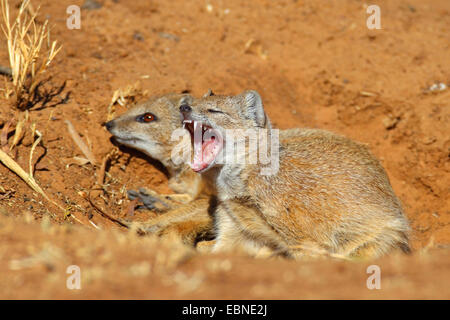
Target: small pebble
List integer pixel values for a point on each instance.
(138, 36)
(91, 5)
(169, 36)
(438, 87)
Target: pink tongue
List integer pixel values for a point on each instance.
(204, 154)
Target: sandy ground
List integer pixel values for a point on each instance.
(315, 64)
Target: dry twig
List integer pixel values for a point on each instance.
(102, 212)
(80, 143)
(4, 135)
(19, 131)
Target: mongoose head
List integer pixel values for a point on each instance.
(148, 126)
(207, 120)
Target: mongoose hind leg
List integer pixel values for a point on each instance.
(239, 226)
(374, 246)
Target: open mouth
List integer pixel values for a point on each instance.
(207, 144)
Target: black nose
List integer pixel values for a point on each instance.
(109, 125)
(185, 108)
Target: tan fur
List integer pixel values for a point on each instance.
(191, 221)
(330, 192)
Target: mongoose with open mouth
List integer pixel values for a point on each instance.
(326, 192)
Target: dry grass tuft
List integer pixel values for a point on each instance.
(28, 58)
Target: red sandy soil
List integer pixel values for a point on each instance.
(315, 64)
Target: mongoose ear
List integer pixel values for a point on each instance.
(187, 99)
(254, 108)
(208, 94)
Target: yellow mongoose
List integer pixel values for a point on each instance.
(328, 193)
(148, 127)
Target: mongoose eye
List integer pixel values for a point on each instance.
(146, 117)
(215, 111)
